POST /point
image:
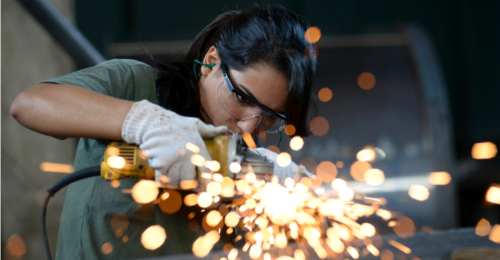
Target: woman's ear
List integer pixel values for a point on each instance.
(211, 57)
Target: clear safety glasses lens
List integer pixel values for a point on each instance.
(242, 109)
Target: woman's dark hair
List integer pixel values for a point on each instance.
(268, 35)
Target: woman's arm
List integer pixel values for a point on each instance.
(70, 111)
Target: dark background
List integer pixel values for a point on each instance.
(465, 33)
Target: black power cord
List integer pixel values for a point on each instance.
(76, 176)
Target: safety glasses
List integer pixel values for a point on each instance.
(244, 106)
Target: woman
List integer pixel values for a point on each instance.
(245, 72)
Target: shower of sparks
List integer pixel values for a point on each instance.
(268, 215)
(272, 214)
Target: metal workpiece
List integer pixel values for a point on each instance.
(249, 159)
(256, 163)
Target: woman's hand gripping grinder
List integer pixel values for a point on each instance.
(162, 134)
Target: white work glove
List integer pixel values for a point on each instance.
(293, 170)
(162, 134)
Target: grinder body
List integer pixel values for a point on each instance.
(122, 160)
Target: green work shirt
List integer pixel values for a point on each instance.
(102, 222)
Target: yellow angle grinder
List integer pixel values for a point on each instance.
(224, 149)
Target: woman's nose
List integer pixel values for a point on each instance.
(248, 125)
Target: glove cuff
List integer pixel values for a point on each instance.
(136, 121)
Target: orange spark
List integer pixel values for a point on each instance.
(247, 137)
(439, 178)
(483, 228)
(153, 237)
(325, 94)
(495, 234)
(16, 246)
(482, 151)
(284, 159)
(204, 199)
(366, 155)
(372, 249)
(319, 126)
(56, 167)
(366, 81)
(107, 248)
(418, 192)
(313, 34)
(145, 191)
(198, 160)
(214, 188)
(290, 130)
(358, 170)
(192, 147)
(404, 227)
(374, 177)
(400, 246)
(493, 194)
(327, 171)
(191, 200)
(296, 143)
